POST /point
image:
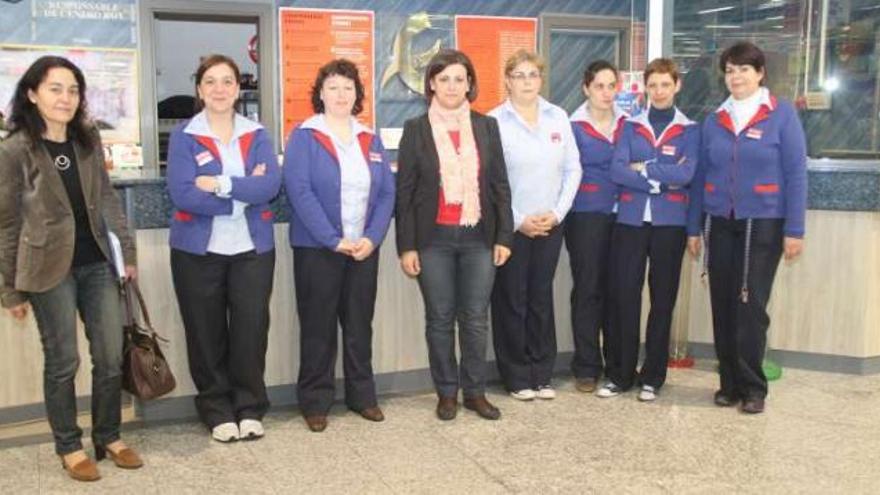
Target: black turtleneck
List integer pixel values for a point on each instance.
(660, 119)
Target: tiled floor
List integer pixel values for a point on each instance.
(820, 434)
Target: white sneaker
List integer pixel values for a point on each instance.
(546, 392)
(524, 394)
(225, 432)
(251, 429)
(608, 390)
(647, 394)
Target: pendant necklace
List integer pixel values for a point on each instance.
(62, 162)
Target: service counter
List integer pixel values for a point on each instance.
(825, 308)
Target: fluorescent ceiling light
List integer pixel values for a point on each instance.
(712, 11)
(769, 5)
(723, 26)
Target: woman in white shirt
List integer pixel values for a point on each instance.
(543, 167)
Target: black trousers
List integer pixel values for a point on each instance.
(740, 328)
(331, 288)
(523, 323)
(664, 246)
(224, 302)
(588, 240)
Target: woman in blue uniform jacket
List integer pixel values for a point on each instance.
(341, 189)
(654, 162)
(752, 186)
(597, 125)
(222, 174)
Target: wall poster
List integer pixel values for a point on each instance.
(310, 38)
(111, 84)
(488, 41)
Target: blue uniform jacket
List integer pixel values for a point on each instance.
(312, 179)
(759, 173)
(597, 192)
(190, 156)
(671, 160)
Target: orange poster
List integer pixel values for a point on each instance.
(488, 41)
(309, 39)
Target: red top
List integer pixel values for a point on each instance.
(450, 214)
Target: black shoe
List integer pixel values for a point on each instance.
(723, 399)
(447, 408)
(482, 407)
(753, 406)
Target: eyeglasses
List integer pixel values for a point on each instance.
(522, 76)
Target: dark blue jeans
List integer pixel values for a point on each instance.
(92, 290)
(456, 282)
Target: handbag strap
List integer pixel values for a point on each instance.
(132, 287)
(130, 318)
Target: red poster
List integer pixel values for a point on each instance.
(310, 38)
(488, 41)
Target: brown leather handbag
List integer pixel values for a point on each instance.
(145, 372)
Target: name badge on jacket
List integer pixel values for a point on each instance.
(555, 137)
(375, 157)
(668, 150)
(204, 158)
(754, 133)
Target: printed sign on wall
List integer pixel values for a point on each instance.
(309, 39)
(489, 41)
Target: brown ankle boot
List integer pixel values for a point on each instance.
(447, 408)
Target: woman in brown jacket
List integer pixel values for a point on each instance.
(55, 197)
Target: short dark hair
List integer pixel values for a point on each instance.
(743, 53)
(662, 66)
(339, 67)
(596, 67)
(207, 63)
(25, 116)
(443, 59)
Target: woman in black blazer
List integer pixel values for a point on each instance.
(454, 226)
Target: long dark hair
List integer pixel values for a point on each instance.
(25, 116)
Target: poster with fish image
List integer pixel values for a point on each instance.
(309, 38)
(406, 50)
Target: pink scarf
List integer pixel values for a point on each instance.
(458, 169)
